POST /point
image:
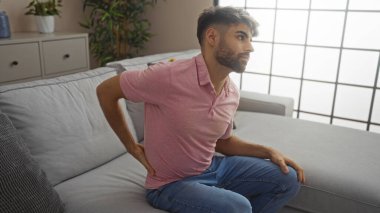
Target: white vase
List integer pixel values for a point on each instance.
(45, 24)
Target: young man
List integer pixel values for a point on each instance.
(189, 107)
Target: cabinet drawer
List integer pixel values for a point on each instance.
(19, 61)
(64, 55)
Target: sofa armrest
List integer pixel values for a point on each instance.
(258, 102)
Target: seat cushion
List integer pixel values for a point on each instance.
(116, 187)
(62, 123)
(23, 185)
(341, 164)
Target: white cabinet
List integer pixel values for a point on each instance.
(27, 56)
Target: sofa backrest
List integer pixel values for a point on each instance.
(136, 110)
(62, 123)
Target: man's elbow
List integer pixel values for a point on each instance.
(100, 92)
(105, 94)
(109, 91)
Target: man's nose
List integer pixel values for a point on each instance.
(250, 47)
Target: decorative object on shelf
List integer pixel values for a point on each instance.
(116, 28)
(5, 31)
(44, 12)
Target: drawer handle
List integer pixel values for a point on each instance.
(14, 63)
(66, 56)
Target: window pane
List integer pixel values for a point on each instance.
(353, 102)
(350, 124)
(260, 59)
(255, 83)
(321, 63)
(295, 4)
(234, 3)
(329, 4)
(287, 60)
(364, 5)
(325, 28)
(286, 87)
(362, 30)
(315, 118)
(358, 67)
(261, 3)
(291, 26)
(235, 77)
(265, 18)
(317, 97)
(376, 108)
(374, 128)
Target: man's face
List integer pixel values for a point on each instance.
(234, 47)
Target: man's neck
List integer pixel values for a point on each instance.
(217, 72)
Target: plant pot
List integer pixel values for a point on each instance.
(45, 24)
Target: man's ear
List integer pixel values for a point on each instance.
(211, 36)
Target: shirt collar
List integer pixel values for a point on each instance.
(204, 77)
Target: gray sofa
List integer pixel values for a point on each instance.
(62, 125)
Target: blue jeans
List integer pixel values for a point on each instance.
(230, 185)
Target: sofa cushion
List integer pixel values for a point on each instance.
(136, 110)
(341, 164)
(116, 187)
(140, 63)
(62, 122)
(23, 185)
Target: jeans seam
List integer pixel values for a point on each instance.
(182, 203)
(282, 187)
(225, 185)
(191, 205)
(274, 198)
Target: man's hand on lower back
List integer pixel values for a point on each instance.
(138, 152)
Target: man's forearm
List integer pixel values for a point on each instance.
(109, 93)
(108, 100)
(115, 117)
(237, 146)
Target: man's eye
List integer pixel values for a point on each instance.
(240, 37)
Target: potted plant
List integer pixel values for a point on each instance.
(117, 28)
(44, 11)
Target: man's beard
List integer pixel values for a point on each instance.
(226, 57)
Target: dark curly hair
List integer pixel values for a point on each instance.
(224, 16)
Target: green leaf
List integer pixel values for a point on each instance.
(84, 25)
(113, 22)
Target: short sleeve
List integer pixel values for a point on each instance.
(151, 85)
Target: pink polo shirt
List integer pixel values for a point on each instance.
(183, 116)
